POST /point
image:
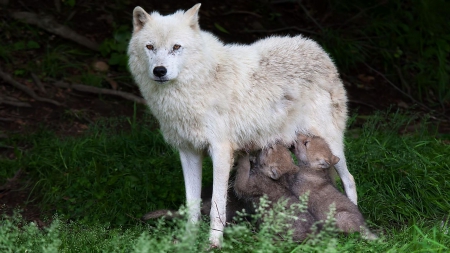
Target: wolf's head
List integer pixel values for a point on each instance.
(160, 42)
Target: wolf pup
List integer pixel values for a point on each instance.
(315, 159)
(211, 98)
(252, 183)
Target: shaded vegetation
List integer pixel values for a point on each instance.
(399, 43)
(408, 40)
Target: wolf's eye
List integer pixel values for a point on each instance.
(306, 143)
(149, 47)
(176, 47)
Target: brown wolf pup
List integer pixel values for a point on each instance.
(251, 183)
(315, 159)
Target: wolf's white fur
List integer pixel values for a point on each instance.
(222, 98)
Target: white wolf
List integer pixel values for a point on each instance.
(219, 98)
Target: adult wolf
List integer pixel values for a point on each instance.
(219, 98)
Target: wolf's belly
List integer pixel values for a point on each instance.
(253, 132)
(265, 129)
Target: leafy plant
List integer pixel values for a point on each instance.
(70, 3)
(91, 79)
(116, 48)
(58, 61)
(21, 45)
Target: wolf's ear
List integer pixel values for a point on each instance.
(192, 15)
(140, 17)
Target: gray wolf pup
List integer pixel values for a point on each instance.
(315, 159)
(252, 183)
(211, 98)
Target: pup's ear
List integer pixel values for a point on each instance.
(334, 160)
(301, 138)
(140, 18)
(274, 173)
(324, 164)
(192, 15)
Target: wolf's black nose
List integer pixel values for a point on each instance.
(159, 71)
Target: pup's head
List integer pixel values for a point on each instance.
(314, 152)
(275, 161)
(160, 42)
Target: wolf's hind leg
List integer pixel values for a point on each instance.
(337, 148)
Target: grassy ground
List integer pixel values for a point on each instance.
(97, 184)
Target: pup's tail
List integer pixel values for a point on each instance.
(367, 234)
(164, 213)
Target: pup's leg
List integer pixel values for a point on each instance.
(222, 160)
(243, 185)
(348, 222)
(191, 161)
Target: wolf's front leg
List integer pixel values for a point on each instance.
(222, 157)
(191, 161)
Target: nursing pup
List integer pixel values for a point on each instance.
(315, 160)
(252, 183)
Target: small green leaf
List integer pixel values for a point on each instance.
(118, 59)
(19, 72)
(19, 45)
(220, 28)
(70, 3)
(443, 44)
(32, 44)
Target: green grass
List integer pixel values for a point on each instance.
(119, 169)
(400, 178)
